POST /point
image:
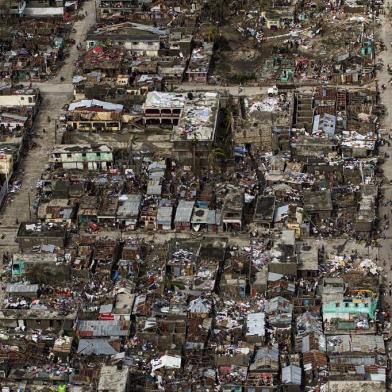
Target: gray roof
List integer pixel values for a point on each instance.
(66, 213)
(308, 259)
(268, 352)
(35, 257)
(101, 328)
(338, 344)
(129, 30)
(266, 358)
(129, 205)
(113, 379)
(184, 211)
(43, 11)
(95, 347)
(291, 375)
(154, 187)
(106, 308)
(288, 237)
(21, 288)
(164, 215)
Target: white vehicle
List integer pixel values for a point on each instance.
(272, 91)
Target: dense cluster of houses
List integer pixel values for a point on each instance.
(282, 310)
(19, 107)
(278, 313)
(184, 237)
(35, 39)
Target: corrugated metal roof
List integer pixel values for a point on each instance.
(184, 211)
(154, 187)
(164, 215)
(316, 358)
(213, 217)
(21, 288)
(102, 328)
(130, 205)
(95, 347)
(305, 344)
(266, 352)
(357, 343)
(353, 360)
(292, 375)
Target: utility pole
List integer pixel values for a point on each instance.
(55, 130)
(96, 12)
(373, 33)
(6, 175)
(28, 194)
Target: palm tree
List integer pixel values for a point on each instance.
(212, 33)
(194, 141)
(215, 155)
(227, 136)
(131, 143)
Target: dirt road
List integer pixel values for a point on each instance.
(385, 250)
(54, 97)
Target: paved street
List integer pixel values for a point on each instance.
(55, 94)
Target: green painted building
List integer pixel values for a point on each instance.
(351, 306)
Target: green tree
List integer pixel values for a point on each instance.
(212, 33)
(216, 156)
(194, 142)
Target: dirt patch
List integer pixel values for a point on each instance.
(242, 60)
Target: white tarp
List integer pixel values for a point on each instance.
(168, 361)
(44, 11)
(88, 103)
(255, 324)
